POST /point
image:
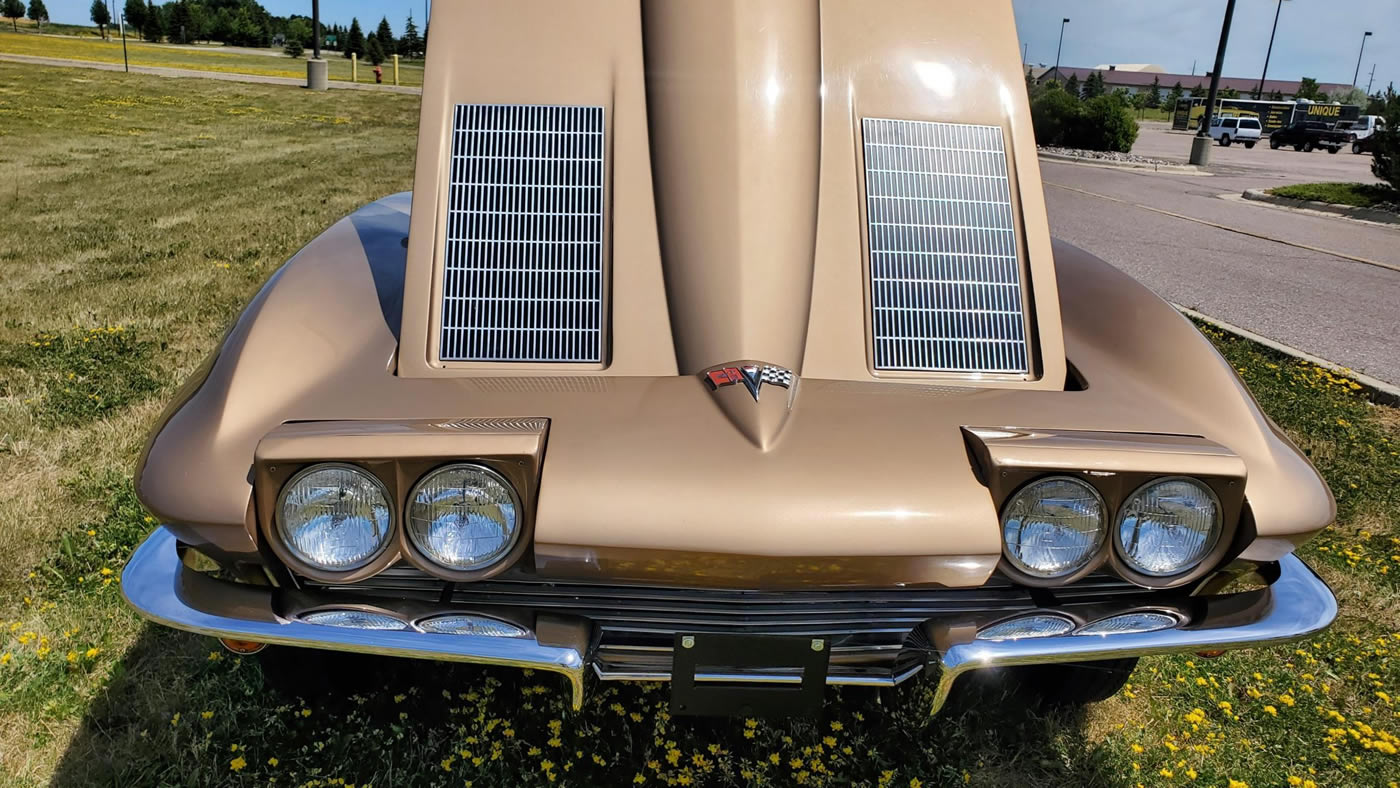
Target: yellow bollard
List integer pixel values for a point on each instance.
(354, 67)
(396, 69)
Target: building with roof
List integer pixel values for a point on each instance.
(1136, 81)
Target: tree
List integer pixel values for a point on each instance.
(1154, 96)
(298, 32)
(38, 13)
(1385, 162)
(355, 40)
(180, 26)
(410, 45)
(1355, 96)
(1228, 93)
(14, 9)
(374, 51)
(135, 13)
(1173, 96)
(1093, 86)
(153, 25)
(1072, 85)
(1307, 89)
(100, 16)
(385, 34)
(1199, 90)
(1277, 95)
(1140, 101)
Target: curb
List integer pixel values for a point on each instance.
(1376, 390)
(1351, 212)
(1178, 169)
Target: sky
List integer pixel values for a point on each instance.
(1316, 38)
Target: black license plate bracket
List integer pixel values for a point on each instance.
(712, 655)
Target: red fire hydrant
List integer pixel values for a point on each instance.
(378, 75)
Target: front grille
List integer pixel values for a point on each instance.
(945, 276)
(663, 610)
(523, 255)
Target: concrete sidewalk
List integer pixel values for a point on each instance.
(160, 71)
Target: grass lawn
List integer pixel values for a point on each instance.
(140, 214)
(202, 59)
(1360, 195)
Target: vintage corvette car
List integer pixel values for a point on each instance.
(725, 343)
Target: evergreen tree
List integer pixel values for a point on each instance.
(374, 51)
(1174, 95)
(38, 13)
(100, 16)
(135, 12)
(355, 40)
(153, 25)
(385, 34)
(1277, 95)
(1154, 97)
(298, 32)
(14, 9)
(1307, 89)
(410, 45)
(1093, 86)
(179, 27)
(1072, 85)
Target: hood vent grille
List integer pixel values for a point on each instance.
(945, 275)
(523, 257)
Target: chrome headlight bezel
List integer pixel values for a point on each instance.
(502, 559)
(1209, 546)
(285, 545)
(1092, 558)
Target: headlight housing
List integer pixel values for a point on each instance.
(1168, 526)
(334, 517)
(1053, 527)
(464, 517)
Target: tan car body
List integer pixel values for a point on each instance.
(735, 231)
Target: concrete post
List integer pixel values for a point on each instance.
(396, 69)
(317, 74)
(354, 67)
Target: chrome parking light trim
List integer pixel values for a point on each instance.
(1296, 605)
(156, 584)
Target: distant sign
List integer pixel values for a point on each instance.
(1273, 115)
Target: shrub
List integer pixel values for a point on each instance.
(1054, 116)
(1105, 123)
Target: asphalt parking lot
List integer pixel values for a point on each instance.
(1321, 302)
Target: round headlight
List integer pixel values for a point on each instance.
(1168, 526)
(464, 517)
(334, 517)
(1053, 526)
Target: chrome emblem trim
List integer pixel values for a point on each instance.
(753, 376)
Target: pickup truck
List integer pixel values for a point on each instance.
(1306, 135)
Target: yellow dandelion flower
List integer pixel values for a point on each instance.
(272, 762)
(237, 764)
(91, 653)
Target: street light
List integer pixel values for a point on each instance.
(1060, 46)
(1200, 145)
(1357, 73)
(1269, 51)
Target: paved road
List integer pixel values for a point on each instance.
(1344, 311)
(160, 71)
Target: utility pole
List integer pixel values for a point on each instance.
(1059, 47)
(1200, 145)
(1024, 48)
(1357, 73)
(1372, 79)
(121, 23)
(1268, 52)
(317, 69)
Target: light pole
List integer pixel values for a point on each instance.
(1268, 52)
(317, 69)
(1060, 46)
(1024, 48)
(1357, 73)
(1200, 145)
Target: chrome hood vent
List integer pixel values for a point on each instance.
(523, 251)
(945, 273)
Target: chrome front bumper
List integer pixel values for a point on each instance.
(157, 583)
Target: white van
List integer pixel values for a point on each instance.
(1362, 127)
(1226, 130)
